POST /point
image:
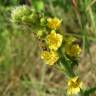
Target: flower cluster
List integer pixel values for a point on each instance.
(60, 50)
(23, 14)
(53, 40)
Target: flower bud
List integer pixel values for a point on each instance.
(43, 21)
(39, 33)
(33, 17)
(20, 12)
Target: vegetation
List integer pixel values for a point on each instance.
(45, 46)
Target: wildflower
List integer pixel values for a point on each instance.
(19, 12)
(50, 57)
(54, 23)
(54, 40)
(74, 85)
(73, 50)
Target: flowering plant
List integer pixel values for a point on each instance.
(59, 50)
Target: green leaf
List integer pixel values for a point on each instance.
(67, 63)
(39, 5)
(89, 91)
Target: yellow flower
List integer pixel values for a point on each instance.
(50, 57)
(73, 50)
(54, 23)
(54, 40)
(74, 86)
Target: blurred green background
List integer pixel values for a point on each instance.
(22, 72)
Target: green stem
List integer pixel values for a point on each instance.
(66, 64)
